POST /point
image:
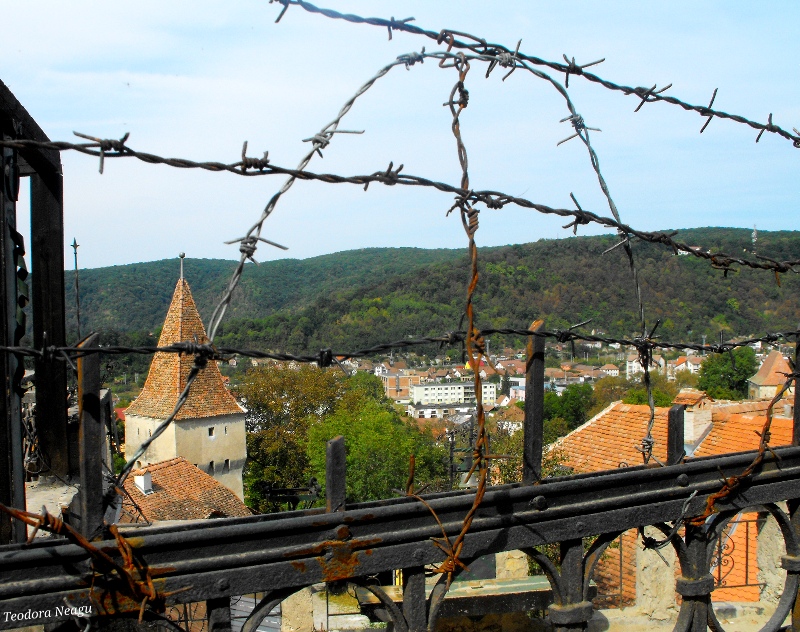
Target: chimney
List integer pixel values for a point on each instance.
(144, 483)
(788, 410)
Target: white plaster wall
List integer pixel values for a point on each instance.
(193, 443)
(138, 430)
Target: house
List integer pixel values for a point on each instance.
(630, 576)
(633, 366)
(502, 400)
(397, 386)
(209, 428)
(438, 411)
(382, 369)
(611, 370)
(770, 377)
(684, 363)
(177, 490)
(514, 367)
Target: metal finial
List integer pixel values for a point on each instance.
(182, 255)
(75, 245)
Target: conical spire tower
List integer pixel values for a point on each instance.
(208, 396)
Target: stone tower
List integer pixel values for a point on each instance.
(209, 429)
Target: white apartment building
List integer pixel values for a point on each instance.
(450, 393)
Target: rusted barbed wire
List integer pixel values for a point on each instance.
(479, 45)
(135, 576)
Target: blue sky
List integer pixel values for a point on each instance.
(196, 79)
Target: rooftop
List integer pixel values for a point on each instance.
(208, 396)
(181, 491)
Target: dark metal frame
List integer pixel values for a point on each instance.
(43, 167)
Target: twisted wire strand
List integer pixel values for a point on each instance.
(327, 356)
(491, 199)
(479, 45)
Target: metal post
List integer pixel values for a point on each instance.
(571, 588)
(47, 263)
(92, 433)
(335, 473)
(219, 614)
(414, 605)
(12, 476)
(75, 245)
(534, 408)
(796, 411)
(675, 438)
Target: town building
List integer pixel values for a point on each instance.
(450, 393)
(690, 363)
(770, 377)
(634, 365)
(209, 430)
(611, 370)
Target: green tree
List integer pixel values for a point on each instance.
(282, 402)
(725, 375)
(288, 396)
(638, 395)
(505, 384)
(608, 390)
(378, 445)
(576, 400)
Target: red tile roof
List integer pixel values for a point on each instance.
(610, 438)
(738, 434)
(722, 412)
(182, 492)
(690, 397)
(773, 371)
(208, 396)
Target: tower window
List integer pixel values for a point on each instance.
(211, 467)
(226, 467)
(211, 432)
(226, 429)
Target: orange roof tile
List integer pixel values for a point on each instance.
(721, 412)
(183, 492)
(208, 396)
(738, 434)
(610, 438)
(773, 371)
(690, 397)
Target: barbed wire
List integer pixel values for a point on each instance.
(478, 45)
(490, 198)
(327, 357)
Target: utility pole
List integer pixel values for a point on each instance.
(75, 245)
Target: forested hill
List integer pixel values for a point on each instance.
(359, 298)
(136, 297)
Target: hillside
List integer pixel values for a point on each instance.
(136, 297)
(355, 299)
